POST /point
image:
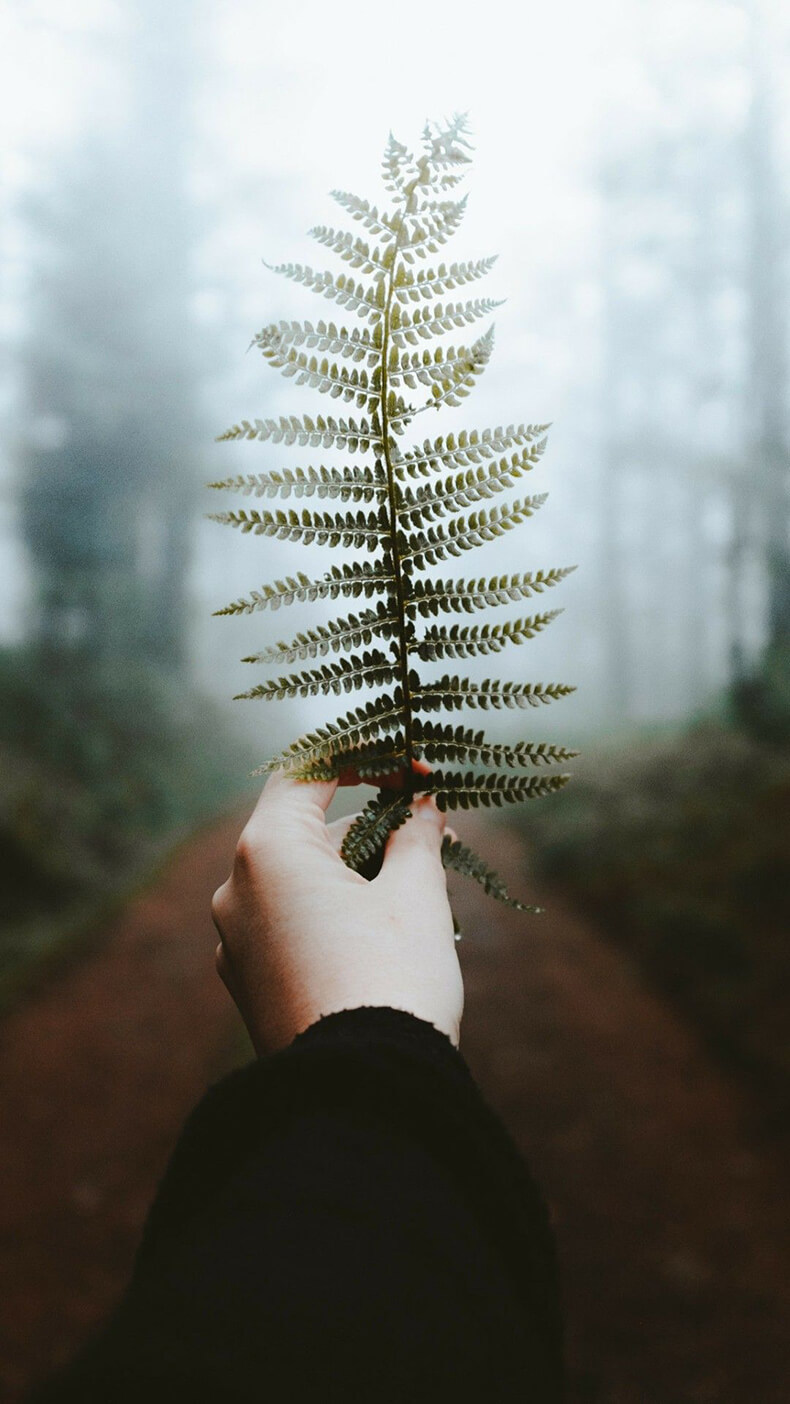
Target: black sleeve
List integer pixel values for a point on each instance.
(345, 1220)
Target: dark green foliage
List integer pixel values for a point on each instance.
(760, 699)
(370, 831)
(461, 859)
(470, 791)
(411, 507)
(681, 848)
(101, 769)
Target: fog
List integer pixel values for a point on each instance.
(631, 173)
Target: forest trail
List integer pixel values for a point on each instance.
(668, 1205)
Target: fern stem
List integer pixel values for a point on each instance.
(405, 628)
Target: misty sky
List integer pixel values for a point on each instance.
(291, 100)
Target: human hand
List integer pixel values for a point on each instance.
(304, 936)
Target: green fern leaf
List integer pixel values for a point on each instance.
(409, 286)
(357, 296)
(396, 163)
(385, 226)
(436, 741)
(334, 637)
(352, 250)
(409, 507)
(463, 489)
(465, 596)
(326, 376)
(469, 641)
(409, 328)
(357, 345)
(453, 693)
(447, 146)
(368, 834)
(452, 790)
(464, 533)
(358, 484)
(430, 227)
(318, 432)
(460, 859)
(453, 387)
(465, 450)
(343, 736)
(449, 365)
(366, 529)
(353, 582)
(373, 669)
(384, 756)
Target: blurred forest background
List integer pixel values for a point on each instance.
(632, 170)
(635, 183)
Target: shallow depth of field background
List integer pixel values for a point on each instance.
(632, 171)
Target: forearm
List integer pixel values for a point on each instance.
(347, 1217)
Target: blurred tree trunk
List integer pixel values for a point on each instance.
(107, 498)
(617, 692)
(767, 409)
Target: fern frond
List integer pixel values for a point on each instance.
(359, 297)
(326, 376)
(353, 582)
(359, 344)
(421, 368)
(452, 693)
(384, 756)
(465, 450)
(447, 147)
(460, 859)
(472, 640)
(465, 596)
(334, 637)
(430, 227)
(370, 831)
(463, 489)
(317, 433)
(410, 509)
(464, 533)
(344, 735)
(427, 283)
(409, 328)
(452, 790)
(373, 669)
(396, 162)
(384, 225)
(357, 252)
(349, 484)
(366, 529)
(452, 387)
(437, 741)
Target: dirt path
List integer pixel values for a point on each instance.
(97, 1073)
(668, 1210)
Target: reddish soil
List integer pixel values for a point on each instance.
(667, 1201)
(97, 1072)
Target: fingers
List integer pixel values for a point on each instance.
(337, 830)
(395, 780)
(287, 795)
(416, 841)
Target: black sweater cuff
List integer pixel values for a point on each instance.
(357, 1175)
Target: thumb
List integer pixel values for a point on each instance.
(283, 793)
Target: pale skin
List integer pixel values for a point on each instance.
(303, 936)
